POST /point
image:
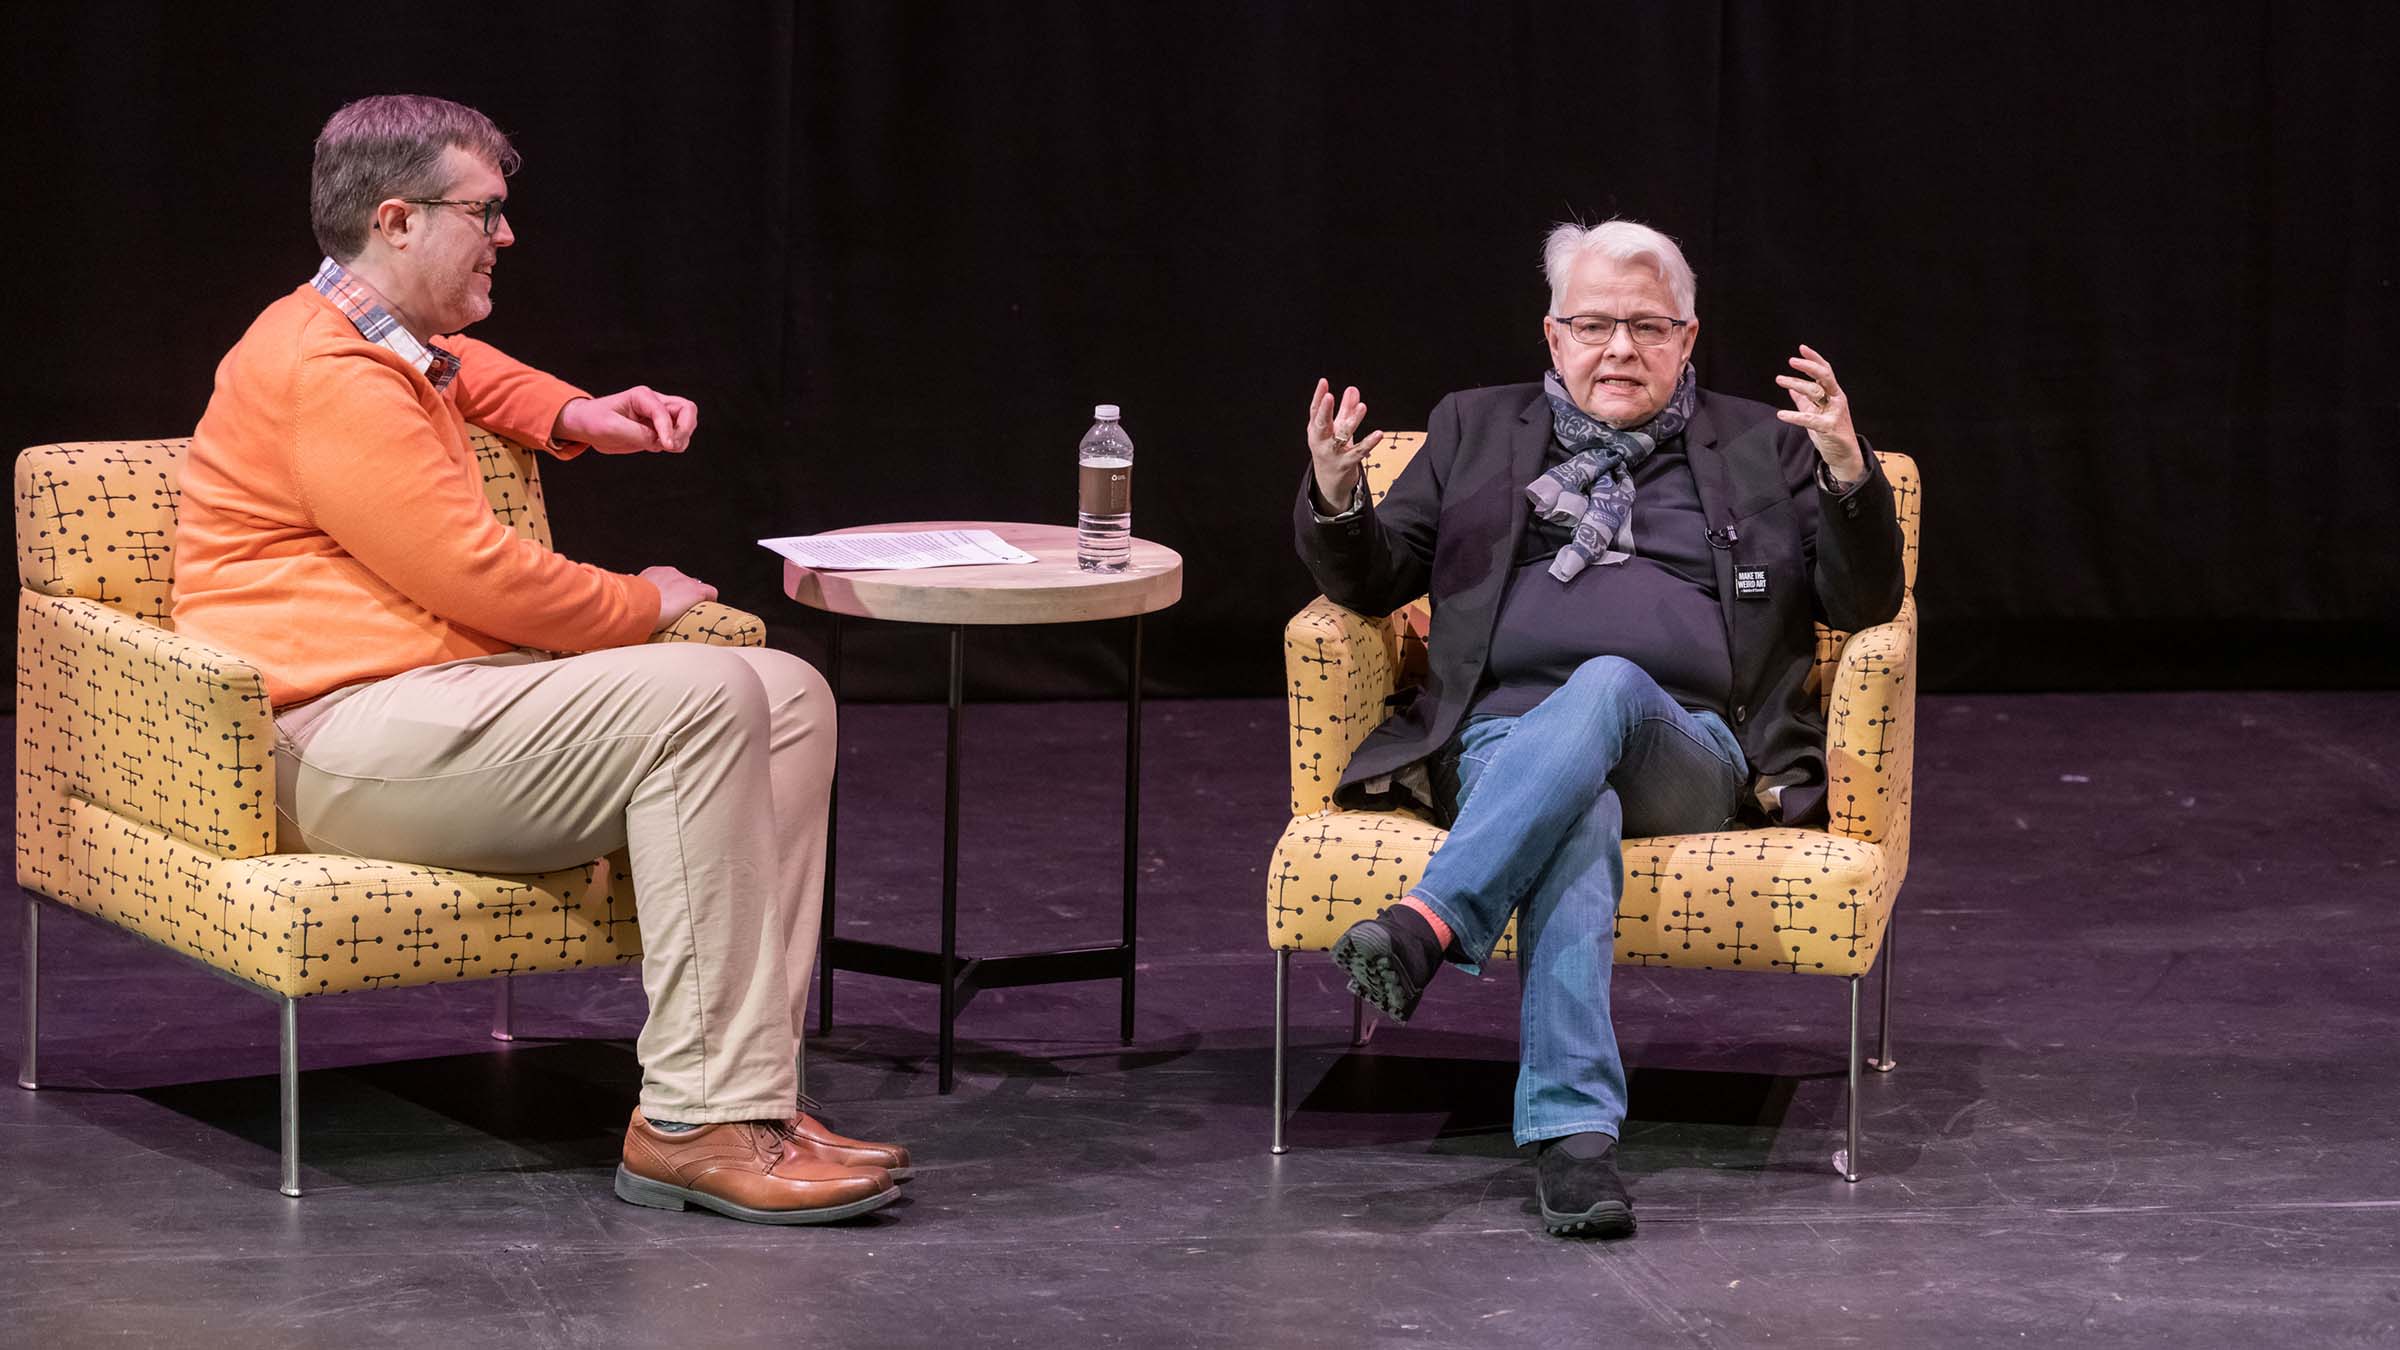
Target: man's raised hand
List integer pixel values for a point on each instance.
(629, 422)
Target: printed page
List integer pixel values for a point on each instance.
(895, 549)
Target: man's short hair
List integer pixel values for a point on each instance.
(390, 145)
(1624, 241)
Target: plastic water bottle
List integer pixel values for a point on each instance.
(1104, 494)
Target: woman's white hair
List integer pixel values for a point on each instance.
(1624, 241)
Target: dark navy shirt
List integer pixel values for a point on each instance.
(1657, 609)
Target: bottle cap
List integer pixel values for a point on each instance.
(1105, 412)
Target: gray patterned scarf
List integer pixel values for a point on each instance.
(1593, 490)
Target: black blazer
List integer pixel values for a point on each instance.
(1449, 530)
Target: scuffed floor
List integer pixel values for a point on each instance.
(2146, 1092)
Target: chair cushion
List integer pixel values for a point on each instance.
(1794, 900)
(317, 923)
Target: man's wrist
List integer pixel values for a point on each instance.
(562, 432)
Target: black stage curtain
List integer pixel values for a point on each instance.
(2120, 277)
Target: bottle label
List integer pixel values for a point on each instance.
(1104, 487)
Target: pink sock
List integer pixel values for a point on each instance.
(1441, 931)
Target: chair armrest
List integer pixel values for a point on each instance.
(1870, 735)
(152, 725)
(1339, 667)
(717, 625)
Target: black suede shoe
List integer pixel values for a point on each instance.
(1390, 959)
(1582, 1197)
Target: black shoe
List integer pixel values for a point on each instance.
(1390, 959)
(1582, 1197)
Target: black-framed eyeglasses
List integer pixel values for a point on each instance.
(492, 209)
(1648, 330)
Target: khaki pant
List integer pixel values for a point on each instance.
(711, 766)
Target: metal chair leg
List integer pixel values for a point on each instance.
(800, 1065)
(28, 1066)
(1283, 989)
(1358, 1021)
(1883, 1061)
(504, 1009)
(1846, 1162)
(291, 1097)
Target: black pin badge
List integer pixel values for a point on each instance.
(1750, 581)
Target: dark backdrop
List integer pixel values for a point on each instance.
(2120, 277)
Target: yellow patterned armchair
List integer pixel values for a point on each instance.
(1776, 901)
(146, 793)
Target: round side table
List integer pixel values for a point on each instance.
(1051, 589)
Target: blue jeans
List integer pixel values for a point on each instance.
(1544, 803)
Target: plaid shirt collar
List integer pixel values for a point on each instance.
(376, 324)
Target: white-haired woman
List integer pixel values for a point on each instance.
(1623, 569)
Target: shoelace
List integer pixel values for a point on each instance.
(779, 1140)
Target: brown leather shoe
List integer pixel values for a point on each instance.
(810, 1133)
(750, 1169)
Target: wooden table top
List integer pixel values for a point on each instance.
(1051, 589)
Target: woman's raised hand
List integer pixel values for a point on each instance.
(1334, 445)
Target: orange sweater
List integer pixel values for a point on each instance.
(333, 526)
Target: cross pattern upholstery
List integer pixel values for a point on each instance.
(1791, 901)
(145, 787)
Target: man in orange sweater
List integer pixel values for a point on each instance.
(334, 533)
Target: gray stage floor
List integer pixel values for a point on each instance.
(2146, 1092)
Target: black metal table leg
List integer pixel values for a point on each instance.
(958, 667)
(833, 820)
(962, 978)
(1133, 819)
